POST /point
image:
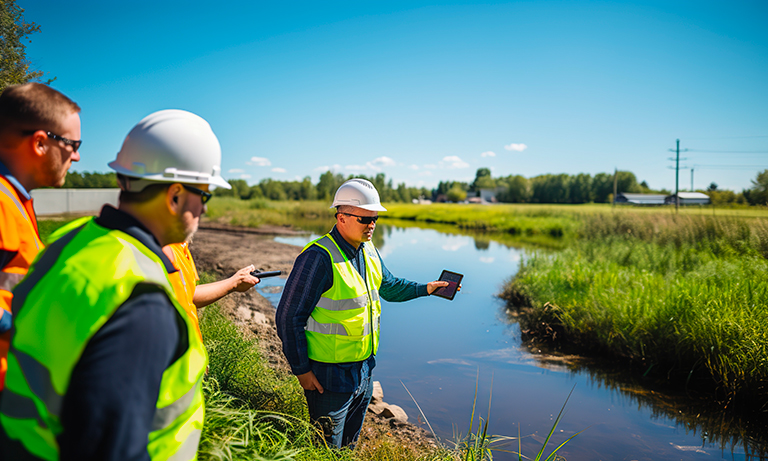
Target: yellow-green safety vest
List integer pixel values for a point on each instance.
(344, 326)
(71, 291)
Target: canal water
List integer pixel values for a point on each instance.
(442, 350)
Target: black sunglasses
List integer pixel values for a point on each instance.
(75, 145)
(363, 219)
(204, 196)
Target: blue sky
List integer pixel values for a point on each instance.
(425, 91)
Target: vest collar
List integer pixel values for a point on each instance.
(14, 182)
(112, 218)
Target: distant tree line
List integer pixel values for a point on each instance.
(324, 189)
(545, 188)
(86, 180)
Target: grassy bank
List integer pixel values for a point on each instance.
(683, 296)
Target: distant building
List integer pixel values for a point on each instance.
(688, 198)
(488, 195)
(625, 198)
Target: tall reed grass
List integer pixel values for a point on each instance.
(685, 294)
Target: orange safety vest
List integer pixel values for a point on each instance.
(183, 281)
(20, 239)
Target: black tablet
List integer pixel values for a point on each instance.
(262, 275)
(454, 280)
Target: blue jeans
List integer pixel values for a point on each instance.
(341, 414)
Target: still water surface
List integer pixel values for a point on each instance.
(438, 348)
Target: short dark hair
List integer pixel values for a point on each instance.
(344, 209)
(146, 194)
(34, 106)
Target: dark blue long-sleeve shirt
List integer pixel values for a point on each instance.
(311, 276)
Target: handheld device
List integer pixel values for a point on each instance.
(453, 279)
(262, 275)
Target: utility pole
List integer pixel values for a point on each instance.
(677, 174)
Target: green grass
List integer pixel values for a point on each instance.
(686, 296)
(259, 212)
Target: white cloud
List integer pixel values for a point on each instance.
(356, 167)
(454, 244)
(425, 173)
(430, 166)
(384, 161)
(516, 147)
(324, 168)
(245, 176)
(414, 167)
(236, 170)
(487, 260)
(279, 170)
(453, 161)
(259, 161)
(488, 154)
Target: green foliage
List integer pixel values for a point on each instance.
(86, 180)
(456, 194)
(685, 294)
(758, 193)
(483, 180)
(46, 227)
(242, 372)
(14, 31)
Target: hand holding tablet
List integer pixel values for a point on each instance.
(454, 282)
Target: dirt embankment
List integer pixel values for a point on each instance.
(223, 250)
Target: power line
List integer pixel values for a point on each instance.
(730, 167)
(729, 151)
(731, 137)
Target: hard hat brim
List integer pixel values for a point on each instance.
(371, 207)
(172, 175)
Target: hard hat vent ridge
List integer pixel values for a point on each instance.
(364, 183)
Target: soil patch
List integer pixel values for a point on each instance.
(223, 250)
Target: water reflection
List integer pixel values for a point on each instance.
(437, 348)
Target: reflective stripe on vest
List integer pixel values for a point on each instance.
(58, 291)
(344, 326)
(21, 208)
(332, 328)
(8, 280)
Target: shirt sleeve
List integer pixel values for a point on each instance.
(310, 277)
(109, 406)
(394, 289)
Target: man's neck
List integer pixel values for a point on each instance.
(24, 178)
(355, 244)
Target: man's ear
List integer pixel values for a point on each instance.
(172, 199)
(37, 143)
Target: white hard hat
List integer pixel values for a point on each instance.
(170, 146)
(358, 193)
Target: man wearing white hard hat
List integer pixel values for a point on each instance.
(328, 316)
(104, 363)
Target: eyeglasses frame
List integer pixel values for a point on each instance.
(75, 145)
(372, 219)
(204, 196)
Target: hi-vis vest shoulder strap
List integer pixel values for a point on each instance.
(19, 239)
(344, 326)
(72, 290)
